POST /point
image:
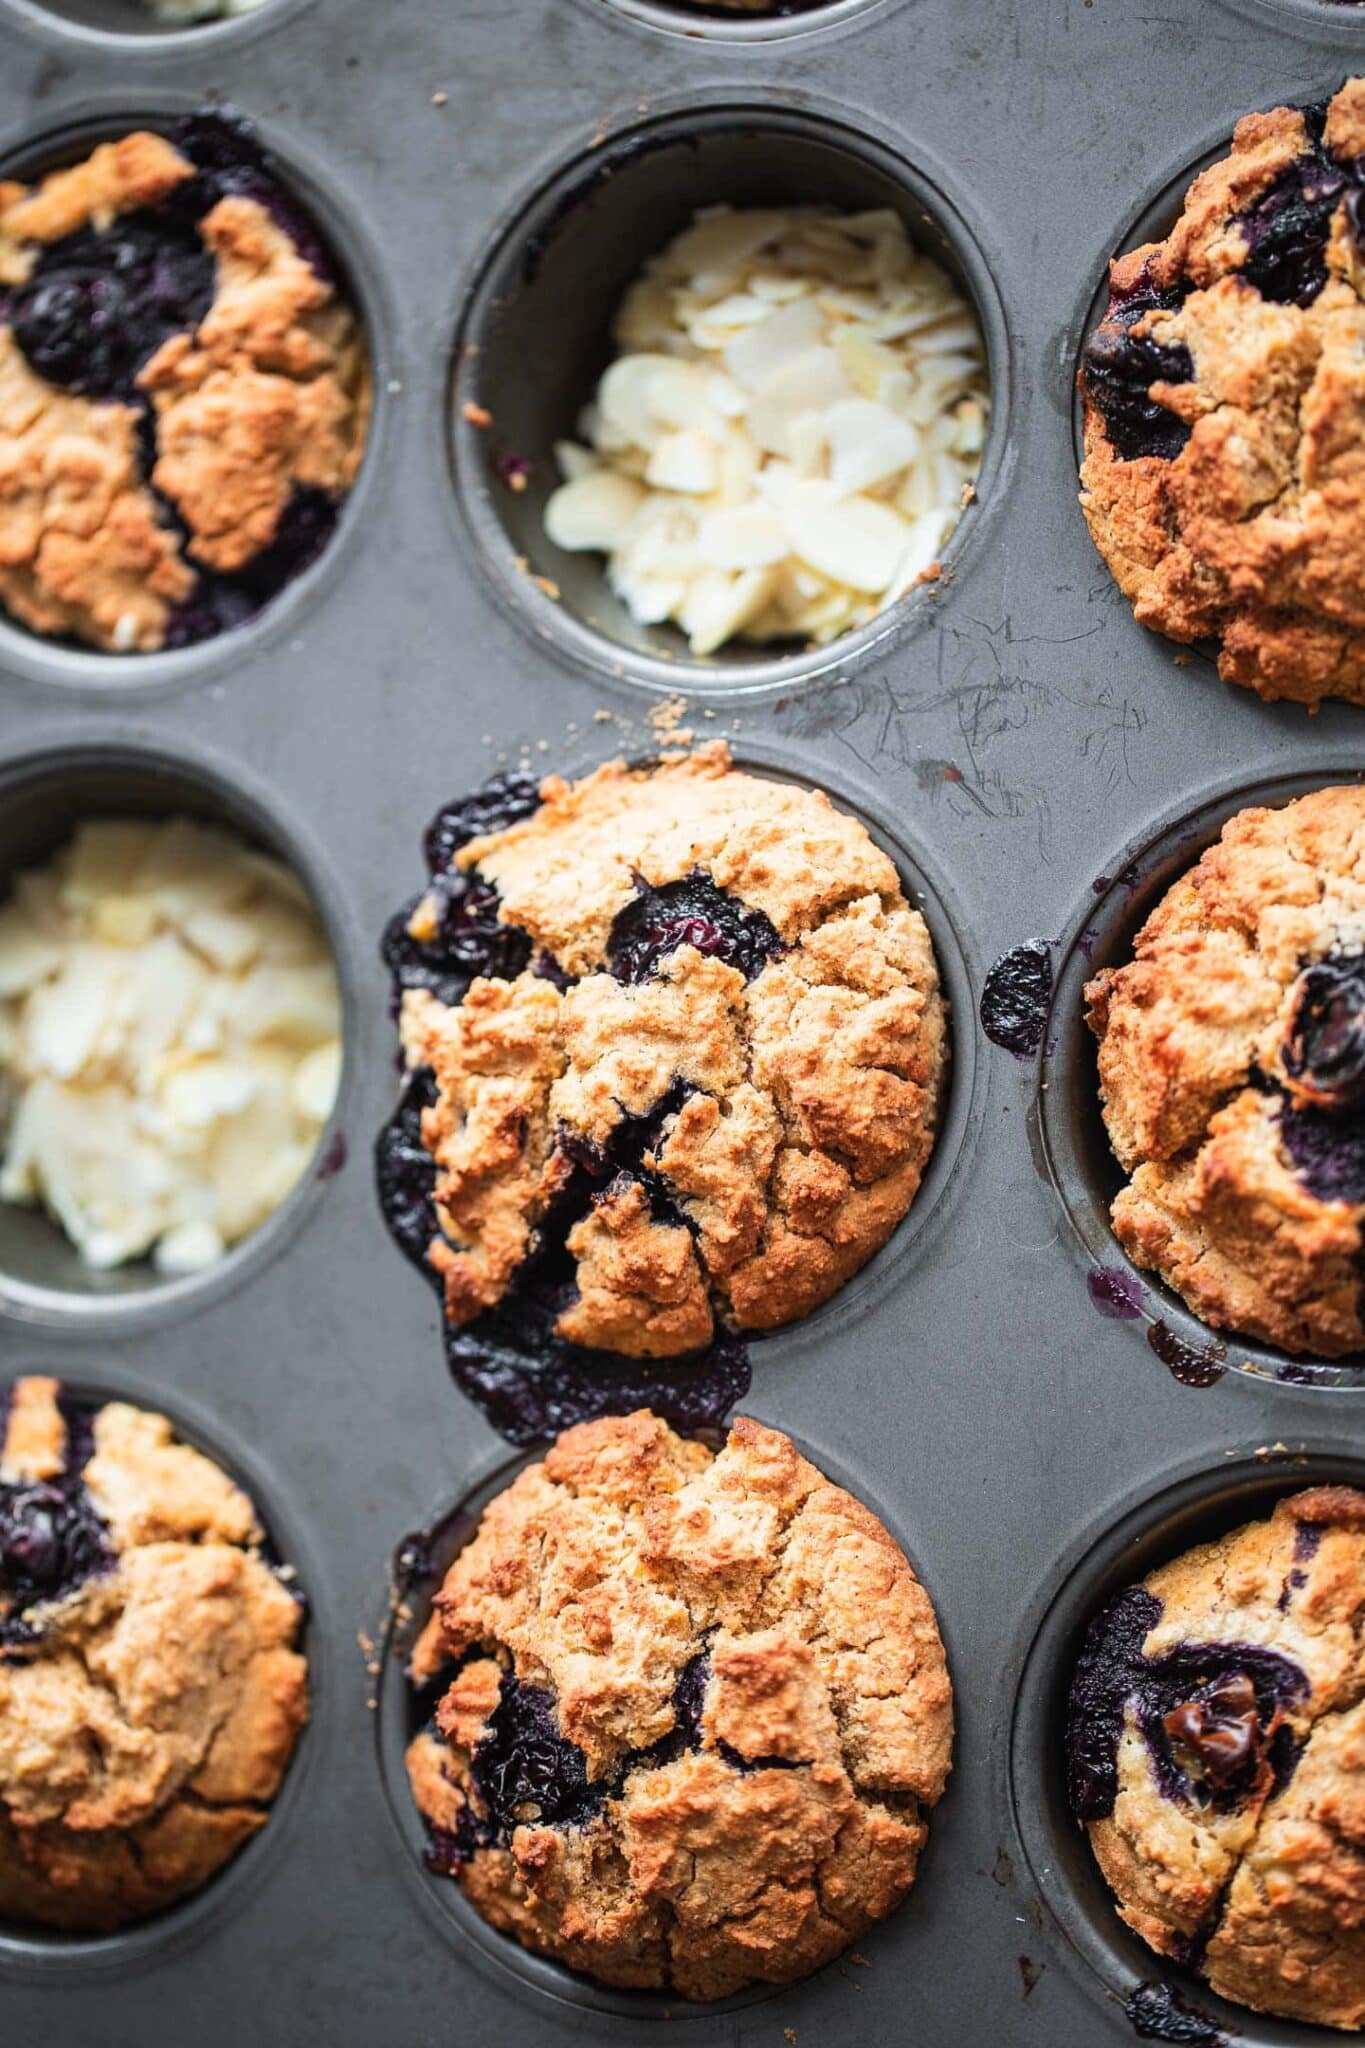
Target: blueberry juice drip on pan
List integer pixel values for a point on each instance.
(99, 304)
(1016, 997)
(1322, 1117)
(1211, 1714)
(692, 912)
(1157, 2012)
(51, 1538)
(1120, 367)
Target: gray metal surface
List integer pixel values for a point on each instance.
(1017, 732)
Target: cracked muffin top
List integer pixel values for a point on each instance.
(184, 390)
(1225, 409)
(675, 1048)
(1232, 1074)
(698, 1712)
(1216, 1752)
(150, 1689)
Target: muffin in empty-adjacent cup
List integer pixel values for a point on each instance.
(1224, 414)
(1232, 1073)
(789, 433)
(170, 1040)
(675, 1049)
(694, 1712)
(151, 1685)
(184, 390)
(1216, 1757)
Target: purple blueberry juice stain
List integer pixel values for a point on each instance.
(501, 801)
(1194, 1365)
(1115, 1293)
(99, 303)
(51, 1537)
(1211, 1714)
(1119, 368)
(692, 912)
(1016, 997)
(1157, 2012)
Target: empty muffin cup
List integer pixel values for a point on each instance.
(170, 1033)
(566, 268)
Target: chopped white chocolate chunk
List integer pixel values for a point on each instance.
(783, 444)
(170, 1040)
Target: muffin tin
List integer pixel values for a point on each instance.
(1012, 732)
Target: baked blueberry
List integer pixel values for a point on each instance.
(1222, 479)
(1216, 1749)
(682, 1049)
(183, 389)
(692, 1711)
(1232, 1075)
(151, 1690)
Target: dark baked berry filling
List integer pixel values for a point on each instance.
(501, 801)
(51, 1537)
(1322, 1109)
(1325, 1052)
(1119, 369)
(1016, 997)
(406, 1172)
(1156, 2012)
(692, 912)
(221, 601)
(1212, 1714)
(470, 940)
(1288, 228)
(98, 304)
(524, 1771)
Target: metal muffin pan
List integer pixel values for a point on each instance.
(1013, 731)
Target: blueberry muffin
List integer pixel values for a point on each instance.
(698, 1712)
(151, 1690)
(184, 390)
(675, 1047)
(1225, 410)
(1216, 1754)
(1232, 1074)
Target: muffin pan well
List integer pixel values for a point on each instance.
(288, 571)
(550, 290)
(1193, 1507)
(1070, 1127)
(50, 1957)
(43, 797)
(492, 177)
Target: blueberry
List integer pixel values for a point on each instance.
(692, 912)
(99, 304)
(501, 801)
(1211, 1714)
(1325, 1052)
(470, 941)
(1120, 367)
(51, 1541)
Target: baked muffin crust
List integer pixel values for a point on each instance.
(1232, 1076)
(699, 1714)
(184, 393)
(1225, 410)
(151, 1691)
(679, 1024)
(1217, 1758)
